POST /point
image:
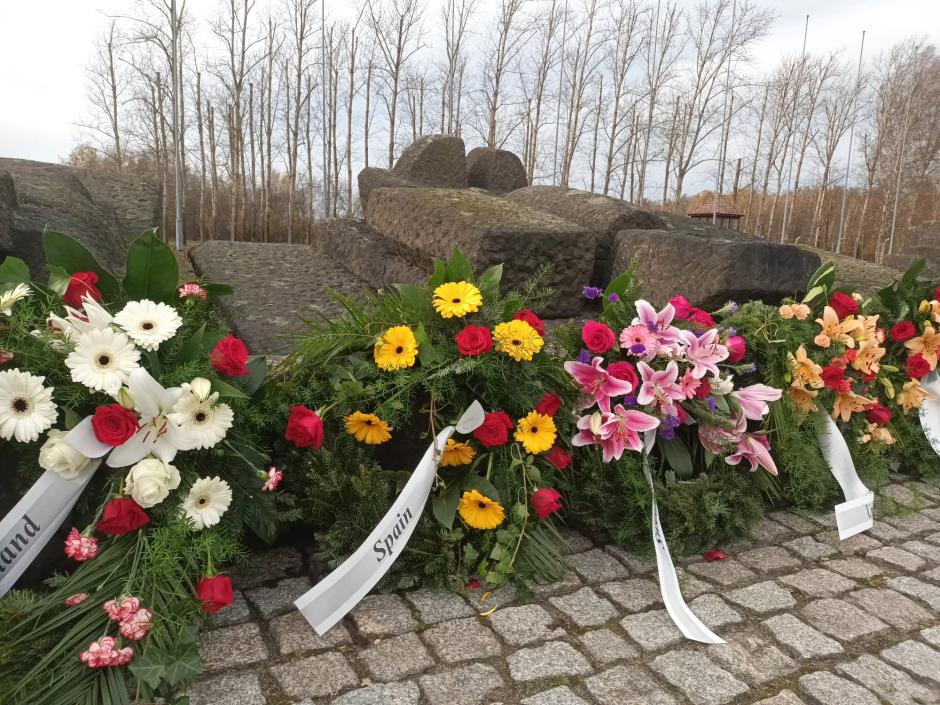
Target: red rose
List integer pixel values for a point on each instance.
(878, 414)
(737, 349)
(703, 318)
(229, 356)
(122, 515)
(545, 501)
(533, 320)
(494, 431)
(917, 366)
(304, 427)
(214, 593)
(114, 424)
(549, 404)
(833, 376)
(682, 306)
(474, 340)
(558, 457)
(936, 294)
(81, 284)
(625, 371)
(704, 389)
(905, 330)
(843, 304)
(597, 337)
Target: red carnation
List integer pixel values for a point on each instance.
(917, 366)
(833, 376)
(737, 349)
(229, 356)
(843, 304)
(120, 516)
(474, 340)
(877, 413)
(81, 284)
(597, 337)
(703, 318)
(533, 320)
(682, 306)
(549, 404)
(905, 330)
(545, 501)
(113, 424)
(304, 427)
(704, 389)
(214, 593)
(558, 457)
(850, 354)
(494, 431)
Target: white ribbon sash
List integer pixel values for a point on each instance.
(855, 514)
(33, 521)
(930, 411)
(330, 599)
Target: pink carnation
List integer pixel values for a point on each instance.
(76, 599)
(103, 654)
(274, 478)
(80, 547)
(192, 289)
(137, 625)
(125, 609)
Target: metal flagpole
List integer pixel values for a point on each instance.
(177, 156)
(897, 182)
(799, 85)
(725, 123)
(326, 177)
(848, 158)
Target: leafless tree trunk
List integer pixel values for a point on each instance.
(625, 27)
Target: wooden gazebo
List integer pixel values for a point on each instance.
(727, 215)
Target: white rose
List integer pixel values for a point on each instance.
(722, 385)
(61, 458)
(149, 482)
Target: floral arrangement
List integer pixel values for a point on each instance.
(133, 387)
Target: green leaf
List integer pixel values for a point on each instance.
(620, 285)
(72, 418)
(813, 293)
(13, 271)
(149, 668)
(186, 664)
(58, 279)
(192, 349)
(489, 281)
(227, 390)
(414, 297)
(68, 253)
(215, 290)
(481, 485)
(678, 457)
(427, 352)
(439, 275)
(458, 269)
(151, 271)
(257, 371)
(445, 506)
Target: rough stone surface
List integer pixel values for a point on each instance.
(897, 558)
(489, 230)
(890, 606)
(856, 568)
(633, 595)
(232, 646)
(653, 631)
(925, 592)
(698, 677)
(562, 695)
(585, 608)
(628, 685)
(892, 685)
(461, 640)
(784, 697)
(267, 566)
(918, 659)
(633, 561)
(714, 611)
(525, 624)
(727, 572)
(228, 689)
(468, 685)
(842, 620)
(236, 613)
(292, 634)
(809, 547)
(925, 550)
(596, 566)
(556, 658)
(434, 160)
(751, 658)
(604, 646)
(769, 559)
(801, 639)
(818, 582)
(396, 658)
(316, 676)
(762, 598)
(381, 615)
(372, 178)
(496, 170)
(406, 693)
(436, 605)
(828, 689)
(279, 599)
(711, 268)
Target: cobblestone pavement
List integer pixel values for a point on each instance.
(808, 619)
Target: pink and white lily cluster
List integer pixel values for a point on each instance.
(669, 379)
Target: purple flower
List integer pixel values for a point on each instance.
(629, 400)
(711, 404)
(667, 433)
(592, 292)
(731, 331)
(638, 349)
(734, 306)
(613, 298)
(667, 427)
(585, 356)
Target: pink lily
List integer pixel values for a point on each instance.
(659, 322)
(619, 432)
(753, 400)
(597, 382)
(589, 429)
(756, 450)
(659, 386)
(704, 352)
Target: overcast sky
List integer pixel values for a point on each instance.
(45, 44)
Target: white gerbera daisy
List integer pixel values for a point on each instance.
(26, 407)
(207, 501)
(9, 298)
(102, 359)
(147, 323)
(202, 420)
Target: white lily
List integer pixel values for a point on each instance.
(92, 317)
(157, 435)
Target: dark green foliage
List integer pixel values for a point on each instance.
(912, 452)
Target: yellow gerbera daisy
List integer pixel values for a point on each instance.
(457, 299)
(536, 432)
(368, 428)
(517, 339)
(479, 511)
(396, 349)
(456, 453)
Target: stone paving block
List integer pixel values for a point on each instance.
(575, 541)
(890, 606)
(919, 590)
(784, 697)
(824, 517)
(690, 585)
(931, 492)
(933, 538)
(264, 567)
(751, 658)
(382, 615)
(886, 532)
(808, 547)
(794, 521)
(596, 566)
(633, 595)
(605, 646)
(627, 685)
(635, 562)
(227, 689)
(925, 550)
(714, 611)
(842, 620)
(931, 635)
(769, 531)
(769, 559)
(859, 543)
(551, 660)
(727, 572)
(562, 695)
(405, 693)
(585, 608)
(828, 689)
(315, 676)
(897, 558)
(293, 633)
(523, 625)
(461, 640)
(800, 638)
(818, 582)
(272, 601)
(904, 495)
(699, 678)
(236, 613)
(435, 605)
(856, 568)
(566, 584)
(933, 574)
(762, 598)
(397, 657)
(484, 600)
(652, 630)
(931, 513)
(918, 659)
(890, 684)
(232, 646)
(467, 685)
(913, 523)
